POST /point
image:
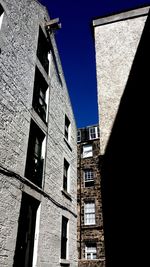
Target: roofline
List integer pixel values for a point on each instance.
(89, 126)
(123, 15)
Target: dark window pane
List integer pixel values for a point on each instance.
(65, 178)
(26, 229)
(42, 50)
(64, 238)
(89, 183)
(65, 183)
(1, 10)
(39, 95)
(67, 123)
(34, 162)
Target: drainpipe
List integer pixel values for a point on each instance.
(80, 201)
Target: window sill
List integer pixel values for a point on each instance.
(64, 262)
(66, 141)
(66, 194)
(83, 157)
(36, 117)
(93, 260)
(90, 226)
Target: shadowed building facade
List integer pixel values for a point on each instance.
(38, 163)
(122, 44)
(90, 220)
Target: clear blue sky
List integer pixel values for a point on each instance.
(76, 48)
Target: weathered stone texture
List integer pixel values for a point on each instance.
(94, 263)
(116, 44)
(90, 233)
(18, 43)
(10, 195)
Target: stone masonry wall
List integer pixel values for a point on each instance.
(18, 43)
(88, 263)
(90, 233)
(115, 44)
(57, 150)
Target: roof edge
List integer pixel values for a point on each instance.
(88, 126)
(130, 14)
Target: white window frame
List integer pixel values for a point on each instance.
(87, 151)
(93, 132)
(1, 19)
(92, 251)
(66, 175)
(48, 90)
(78, 136)
(67, 129)
(89, 213)
(88, 177)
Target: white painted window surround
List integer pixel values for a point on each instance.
(36, 237)
(93, 132)
(66, 181)
(43, 148)
(48, 90)
(88, 177)
(67, 131)
(89, 213)
(87, 151)
(1, 19)
(90, 252)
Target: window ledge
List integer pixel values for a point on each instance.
(86, 226)
(93, 260)
(36, 117)
(87, 157)
(64, 262)
(66, 194)
(68, 145)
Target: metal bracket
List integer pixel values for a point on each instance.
(53, 24)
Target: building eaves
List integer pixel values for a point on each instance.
(130, 14)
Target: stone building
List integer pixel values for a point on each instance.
(122, 44)
(90, 219)
(38, 157)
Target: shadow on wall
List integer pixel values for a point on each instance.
(125, 168)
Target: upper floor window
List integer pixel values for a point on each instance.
(90, 251)
(93, 132)
(78, 136)
(66, 175)
(43, 50)
(1, 15)
(89, 213)
(88, 177)
(87, 151)
(64, 237)
(39, 95)
(67, 128)
(34, 162)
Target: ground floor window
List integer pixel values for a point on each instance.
(64, 237)
(26, 230)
